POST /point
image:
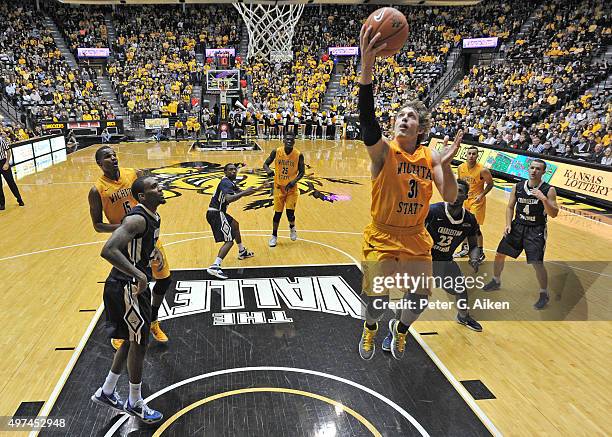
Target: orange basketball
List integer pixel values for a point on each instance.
(393, 28)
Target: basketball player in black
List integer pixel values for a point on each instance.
(224, 227)
(127, 297)
(530, 203)
(449, 224)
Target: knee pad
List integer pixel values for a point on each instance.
(277, 217)
(417, 303)
(162, 285)
(291, 215)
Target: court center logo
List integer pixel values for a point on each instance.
(265, 295)
(203, 177)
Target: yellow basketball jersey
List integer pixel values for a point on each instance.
(286, 166)
(116, 196)
(473, 178)
(402, 190)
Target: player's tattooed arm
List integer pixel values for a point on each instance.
(130, 227)
(269, 161)
(95, 212)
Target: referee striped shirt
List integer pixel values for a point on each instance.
(4, 147)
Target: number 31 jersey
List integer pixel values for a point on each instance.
(402, 190)
(116, 196)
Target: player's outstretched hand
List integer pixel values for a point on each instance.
(264, 186)
(368, 51)
(449, 152)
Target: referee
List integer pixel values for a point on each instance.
(5, 171)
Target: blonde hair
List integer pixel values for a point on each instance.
(424, 118)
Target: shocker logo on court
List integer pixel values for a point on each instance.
(203, 177)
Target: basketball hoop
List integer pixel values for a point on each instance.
(271, 28)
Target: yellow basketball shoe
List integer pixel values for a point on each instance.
(366, 344)
(116, 343)
(157, 332)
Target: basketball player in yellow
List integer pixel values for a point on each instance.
(112, 195)
(481, 182)
(289, 168)
(396, 242)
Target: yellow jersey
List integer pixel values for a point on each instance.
(117, 199)
(473, 178)
(402, 190)
(285, 166)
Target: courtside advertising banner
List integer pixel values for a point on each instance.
(157, 123)
(580, 180)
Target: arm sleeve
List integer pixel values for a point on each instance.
(370, 129)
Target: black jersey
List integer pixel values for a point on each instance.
(225, 187)
(448, 233)
(529, 210)
(140, 250)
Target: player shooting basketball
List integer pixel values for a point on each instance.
(403, 173)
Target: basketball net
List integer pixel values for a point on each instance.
(271, 28)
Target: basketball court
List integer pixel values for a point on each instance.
(273, 350)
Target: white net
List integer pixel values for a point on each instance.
(271, 28)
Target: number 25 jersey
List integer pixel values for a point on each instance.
(402, 190)
(117, 199)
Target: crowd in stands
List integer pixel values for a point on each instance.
(156, 65)
(533, 97)
(81, 26)
(434, 32)
(538, 100)
(35, 77)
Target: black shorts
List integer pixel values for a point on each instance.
(221, 225)
(128, 317)
(531, 239)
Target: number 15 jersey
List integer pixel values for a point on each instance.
(117, 199)
(402, 190)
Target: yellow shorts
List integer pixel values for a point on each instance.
(387, 254)
(285, 198)
(165, 272)
(478, 209)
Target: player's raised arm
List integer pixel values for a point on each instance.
(95, 212)
(442, 173)
(370, 129)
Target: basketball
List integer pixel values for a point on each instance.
(393, 28)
